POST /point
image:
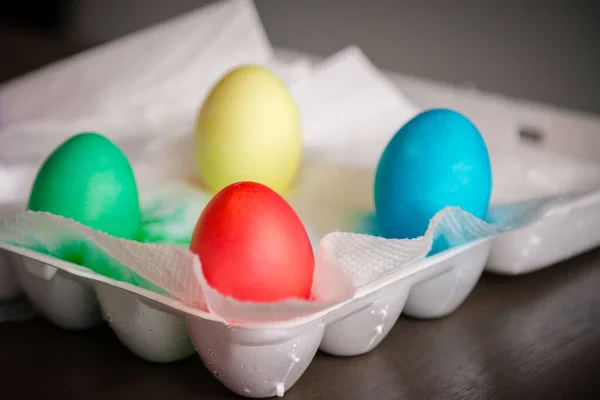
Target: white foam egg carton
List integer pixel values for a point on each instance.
(564, 233)
(261, 360)
(266, 359)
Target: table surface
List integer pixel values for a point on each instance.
(530, 337)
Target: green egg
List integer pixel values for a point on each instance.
(89, 179)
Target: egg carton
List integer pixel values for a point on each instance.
(266, 359)
(260, 360)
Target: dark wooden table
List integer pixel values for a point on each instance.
(529, 337)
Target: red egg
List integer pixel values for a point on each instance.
(253, 246)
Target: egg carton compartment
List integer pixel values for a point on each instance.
(567, 230)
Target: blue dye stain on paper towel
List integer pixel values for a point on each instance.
(458, 227)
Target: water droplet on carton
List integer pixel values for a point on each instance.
(209, 365)
(280, 389)
(210, 353)
(151, 330)
(246, 390)
(242, 366)
(217, 374)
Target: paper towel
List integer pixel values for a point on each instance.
(142, 91)
(344, 262)
(349, 109)
(124, 72)
(175, 270)
(147, 84)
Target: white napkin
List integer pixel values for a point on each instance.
(141, 91)
(150, 83)
(349, 109)
(344, 261)
(176, 270)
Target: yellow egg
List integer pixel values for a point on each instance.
(248, 129)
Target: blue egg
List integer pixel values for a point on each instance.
(435, 160)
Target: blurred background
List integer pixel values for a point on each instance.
(545, 51)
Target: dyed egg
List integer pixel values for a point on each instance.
(88, 179)
(253, 246)
(248, 129)
(435, 160)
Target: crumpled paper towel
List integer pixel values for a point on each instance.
(344, 262)
(349, 109)
(164, 269)
(367, 258)
(139, 91)
(147, 84)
